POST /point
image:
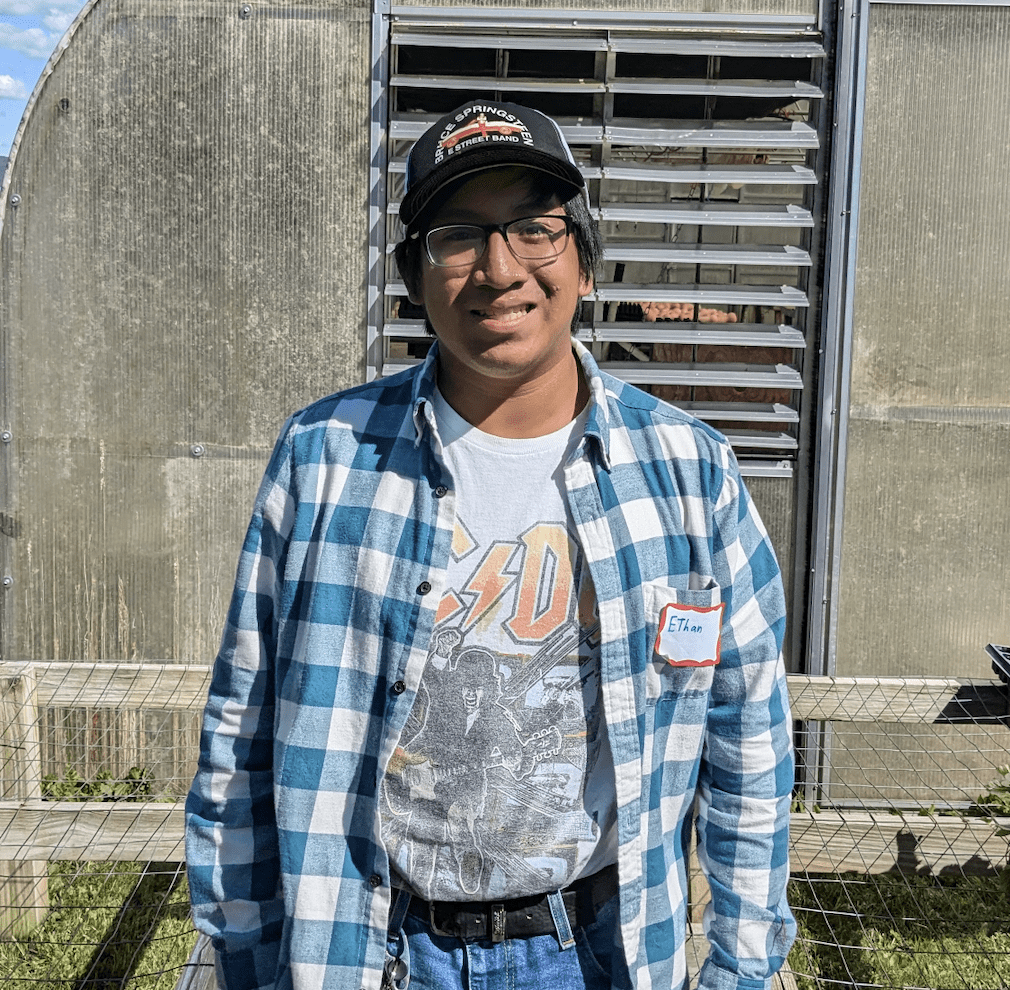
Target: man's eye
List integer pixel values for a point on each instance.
(539, 227)
(454, 236)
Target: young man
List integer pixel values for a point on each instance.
(504, 630)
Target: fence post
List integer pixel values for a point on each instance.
(698, 893)
(24, 891)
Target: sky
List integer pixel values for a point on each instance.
(29, 31)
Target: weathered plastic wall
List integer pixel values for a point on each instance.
(775, 499)
(185, 265)
(792, 7)
(925, 576)
(925, 581)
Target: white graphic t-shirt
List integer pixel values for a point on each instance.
(503, 782)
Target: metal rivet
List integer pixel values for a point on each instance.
(15, 199)
(244, 11)
(8, 581)
(6, 436)
(198, 450)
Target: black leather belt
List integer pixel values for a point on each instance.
(521, 917)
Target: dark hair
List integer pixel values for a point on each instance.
(588, 243)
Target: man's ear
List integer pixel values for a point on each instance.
(413, 286)
(586, 282)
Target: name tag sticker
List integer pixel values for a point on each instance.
(690, 635)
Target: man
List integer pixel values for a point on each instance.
(504, 628)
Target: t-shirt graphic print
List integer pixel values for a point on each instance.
(502, 784)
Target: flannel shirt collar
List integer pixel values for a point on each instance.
(422, 411)
(597, 424)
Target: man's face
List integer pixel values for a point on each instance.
(472, 697)
(501, 321)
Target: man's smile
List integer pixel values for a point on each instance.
(509, 315)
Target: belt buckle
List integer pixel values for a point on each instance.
(496, 913)
(497, 922)
(433, 924)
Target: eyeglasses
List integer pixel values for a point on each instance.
(529, 239)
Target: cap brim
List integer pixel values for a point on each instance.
(480, 160)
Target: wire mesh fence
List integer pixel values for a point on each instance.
(899, 831)
(95, 759)
(899, 844)
(107, 924)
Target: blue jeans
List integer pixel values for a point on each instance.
(421, 960)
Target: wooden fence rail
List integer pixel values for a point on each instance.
(183, 687)
(33, 831)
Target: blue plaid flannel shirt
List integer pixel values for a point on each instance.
(338, 583)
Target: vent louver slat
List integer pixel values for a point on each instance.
(698, 142)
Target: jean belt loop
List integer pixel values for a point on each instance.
(561, 923)
(399, 910)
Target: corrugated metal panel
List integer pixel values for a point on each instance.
(185, 265)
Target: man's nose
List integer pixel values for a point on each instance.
(499, 266)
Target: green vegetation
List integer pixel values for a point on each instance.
(902, 931)
(109, 925)
(125, 926)
(996, 801)
(135, 786)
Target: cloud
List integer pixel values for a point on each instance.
(33, 42)
(39, 8)
(59, 20)
(12, 89)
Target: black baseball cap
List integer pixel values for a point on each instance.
(484, 134)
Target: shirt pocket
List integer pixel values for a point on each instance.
(684, 627)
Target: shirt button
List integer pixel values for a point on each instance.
(423, 588)
(399, 687)
(374, 880)
(441, 491)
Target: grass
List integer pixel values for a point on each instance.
(901, 931)
(109, 925)
(125, 926)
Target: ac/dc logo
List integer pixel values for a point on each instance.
(531, 587)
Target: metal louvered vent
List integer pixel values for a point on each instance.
(701, 141)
